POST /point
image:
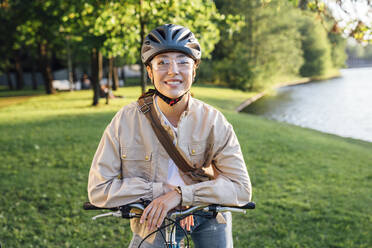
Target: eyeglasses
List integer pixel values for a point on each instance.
(163, 64)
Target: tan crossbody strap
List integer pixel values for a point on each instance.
(147, 107)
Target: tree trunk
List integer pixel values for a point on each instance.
(96, 65)
(122, 76)
(46, 69)
(69, 65)
(33, 77)
(9, 79)
(109, 78)
(115, 78)
(20, 83)
(74, 75)
(142, 34)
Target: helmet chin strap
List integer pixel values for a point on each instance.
(170, 101)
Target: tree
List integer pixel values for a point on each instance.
(338, 46)
(268, 45)
(40, 31)
(316, 47)
(117, 29)
(201, 17)
(11, 49)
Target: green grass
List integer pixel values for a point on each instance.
(311, 189)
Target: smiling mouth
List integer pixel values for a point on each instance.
(173, 82)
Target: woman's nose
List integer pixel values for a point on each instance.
(173, 68)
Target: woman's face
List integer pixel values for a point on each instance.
(172, 73)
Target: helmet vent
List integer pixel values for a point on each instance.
(186, 36)
(162, 33)
(194, 46)
(153, 38)
(146, 48)
(175, 33)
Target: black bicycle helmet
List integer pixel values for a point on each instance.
(170, 38)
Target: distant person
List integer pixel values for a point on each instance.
(130, 165)
(85, 82)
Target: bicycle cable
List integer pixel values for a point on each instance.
(157, 230)
(176, 222)
(163, 227)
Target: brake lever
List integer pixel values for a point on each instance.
(115, 214)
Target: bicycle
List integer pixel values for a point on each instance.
(170, 222)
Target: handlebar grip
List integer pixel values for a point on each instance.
(249, 205)
(90, 206)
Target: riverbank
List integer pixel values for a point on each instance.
(331, 74)
(311, 189)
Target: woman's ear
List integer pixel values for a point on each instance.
(194, 72)
(149, 72)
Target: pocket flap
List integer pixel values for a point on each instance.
(196, 148)
(135, 153)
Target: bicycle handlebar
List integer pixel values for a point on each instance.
(90, 206)
(213, 208)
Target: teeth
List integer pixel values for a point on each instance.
(173, 82)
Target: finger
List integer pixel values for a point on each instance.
(150, 217)
(145, 213)
(188, 227)
(188, 223)
(155, 217)
(161, 218)
(183, 223)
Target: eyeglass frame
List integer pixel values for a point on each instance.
(178, 61)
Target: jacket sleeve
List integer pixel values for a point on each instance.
(105, 186)
(232, 187)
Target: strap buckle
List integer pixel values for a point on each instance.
(145, 104)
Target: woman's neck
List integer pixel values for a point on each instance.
(173, 113)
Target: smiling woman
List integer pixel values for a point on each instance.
(196, 159)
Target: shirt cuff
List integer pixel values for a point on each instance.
(187, 195)
(157, 190)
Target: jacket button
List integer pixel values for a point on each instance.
(192, 151)
(124, 156)
(147, 157)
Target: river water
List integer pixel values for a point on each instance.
(341, 106)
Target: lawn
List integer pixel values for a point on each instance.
(312, 189)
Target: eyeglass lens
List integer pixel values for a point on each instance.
(163, 64)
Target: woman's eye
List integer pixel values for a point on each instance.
(163, 62)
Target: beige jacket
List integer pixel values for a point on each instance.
(129, 146)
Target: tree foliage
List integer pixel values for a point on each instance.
(245, 44)
(316, 47)
(345, 14)
(268, 45)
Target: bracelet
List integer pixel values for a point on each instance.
(179, 191)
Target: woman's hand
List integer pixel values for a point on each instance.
(158, 209)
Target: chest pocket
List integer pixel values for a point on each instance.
(197, 153)
(136, 161)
